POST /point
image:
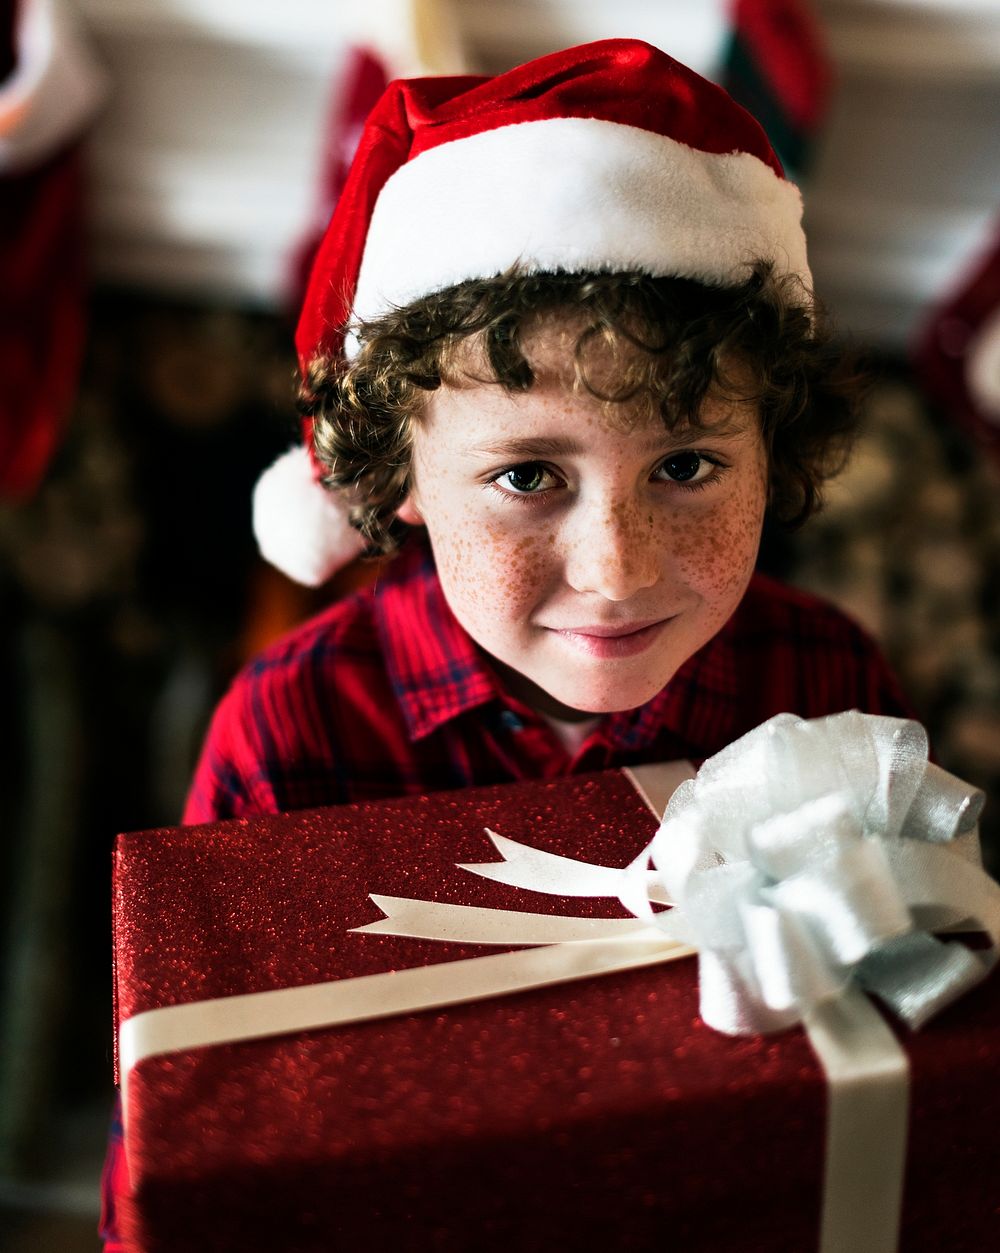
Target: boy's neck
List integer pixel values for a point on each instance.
(535, 697)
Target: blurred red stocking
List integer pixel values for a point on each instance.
(48, 90)
(957, 354)
(364, 79)
(397, 38)
(776, 65)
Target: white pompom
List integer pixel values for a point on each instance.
(300, 526)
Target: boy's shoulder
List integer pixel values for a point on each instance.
(770, 601)
(343, 629)
(330, 711)
(351, 629)
(335, 647)
(350, 654)
(800, 652)
(310, 702)
(802, 629)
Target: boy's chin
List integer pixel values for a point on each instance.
(572, 703)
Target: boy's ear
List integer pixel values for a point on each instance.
(409, 513)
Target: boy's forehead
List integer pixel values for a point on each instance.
(561, 346)
(562, 342)
(548, 338)
(555, 416)
(555, 340)
(567, 431)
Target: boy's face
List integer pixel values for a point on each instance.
(590, 562)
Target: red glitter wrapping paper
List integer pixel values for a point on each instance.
(601, 1114)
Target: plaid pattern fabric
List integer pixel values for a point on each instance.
(384, 694)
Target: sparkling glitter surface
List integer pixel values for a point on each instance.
(601, 1114)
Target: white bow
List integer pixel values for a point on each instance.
(807, 854)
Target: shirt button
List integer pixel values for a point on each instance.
(510, 721)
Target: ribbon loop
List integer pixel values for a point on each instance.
(814, 841)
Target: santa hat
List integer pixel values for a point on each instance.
(607, 157)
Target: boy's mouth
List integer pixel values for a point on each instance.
(621, 640)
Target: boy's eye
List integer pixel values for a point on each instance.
(687, 467)
(532, 476)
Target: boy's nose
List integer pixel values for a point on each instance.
(612, 552)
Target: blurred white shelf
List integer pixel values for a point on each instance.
(206, 161)
(924, 40)
(906, 185)
(505, 32)
(302, 27)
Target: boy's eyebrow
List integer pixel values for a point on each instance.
(565, 446)
(526, 446)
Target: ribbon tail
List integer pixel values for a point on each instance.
(467, 924)
(535, 870)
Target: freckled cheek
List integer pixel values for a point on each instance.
(715, 552)
(489, 572)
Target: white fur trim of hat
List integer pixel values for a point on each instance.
(575, 194)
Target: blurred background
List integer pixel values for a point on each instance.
(165, 166)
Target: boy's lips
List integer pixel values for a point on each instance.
(624, 639)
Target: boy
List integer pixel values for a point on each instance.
(582, 362)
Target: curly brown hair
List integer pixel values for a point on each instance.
(673, 340)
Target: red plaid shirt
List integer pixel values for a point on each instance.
(385, 694)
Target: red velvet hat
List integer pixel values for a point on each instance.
(611, 156)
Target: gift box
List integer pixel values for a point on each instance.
(599, 1113)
